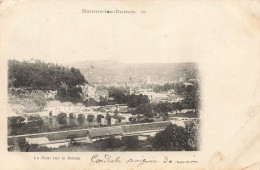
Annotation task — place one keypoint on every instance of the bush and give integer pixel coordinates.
(130, 142)
(22, 143)
(173, 138)
(90, 102)
(99, 117)
(37, 148)
(111, 143)
(90, 118)
(81, 118)
(15, 121)
(61, 118)
(108, 118)
(50, 113)
(71, 116)
(146, 120)
(35, 123)
(37, 119)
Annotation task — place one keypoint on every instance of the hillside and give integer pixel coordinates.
(30, 77)
(106, 71)
(39, 75)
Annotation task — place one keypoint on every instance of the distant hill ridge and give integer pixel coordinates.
(110, 71)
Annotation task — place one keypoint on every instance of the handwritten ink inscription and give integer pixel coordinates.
(137, 161)
(109, 159)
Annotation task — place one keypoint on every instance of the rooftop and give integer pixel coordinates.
(108, 131)
(145, 126)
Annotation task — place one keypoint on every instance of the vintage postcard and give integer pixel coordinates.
(130, 84)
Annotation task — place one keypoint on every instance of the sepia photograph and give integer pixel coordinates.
(129, 84)
(103, 106)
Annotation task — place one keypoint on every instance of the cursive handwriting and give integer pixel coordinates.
(106, 159)
(136, 161)
(141, 161)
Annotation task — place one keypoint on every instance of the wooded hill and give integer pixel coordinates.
(42, 76)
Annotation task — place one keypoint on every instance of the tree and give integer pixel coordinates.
(37, 148)
(119, 94)
(69, 93)
(132, 119)
(119, 119)
(115, 116)
(37, 119)
(35, 123)
(46, 76)
(194, 96)
(111, 143)
(103, 101)
(116, 111)
(174, 107)
(163, 108)
(71, 116)
(15, 121)
(164, 88)
(99, 117)
(179, 107)
(130, 142)
(192, 132)
(136, 100)
(42, 76)
(50, 113)
(146, 110)
(108, 118)
(180, 88)
(81, 118)
(61, 118)
(138, 117)
(90, 102)
(173, 138)
(90, 118)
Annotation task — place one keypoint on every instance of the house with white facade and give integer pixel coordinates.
(88, 91)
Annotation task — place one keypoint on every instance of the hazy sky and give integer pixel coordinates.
(61, 33)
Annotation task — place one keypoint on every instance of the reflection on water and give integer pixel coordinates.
(49, 124)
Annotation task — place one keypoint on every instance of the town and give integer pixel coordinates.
(82, 108)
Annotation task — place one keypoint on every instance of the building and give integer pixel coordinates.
(44, 141)
(186, 84)
(37, 140)
(161, 95)
(61, 138)
(103, 133)
(88, 91)
(172, 91)
(51, 94)
(102, 93)
(56, 107)
(150, 94)
(131, 91)
(145, 128)
(180, 121)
